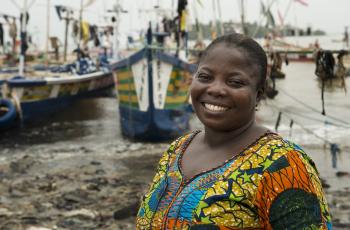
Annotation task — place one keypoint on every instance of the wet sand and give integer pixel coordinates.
(75, 171)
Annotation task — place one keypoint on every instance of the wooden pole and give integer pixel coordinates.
(47, 33)
(242, 18)
(66, 37)
(80, 23)
(115, 45)
(23, 38)
(214, 26)
(220, 18)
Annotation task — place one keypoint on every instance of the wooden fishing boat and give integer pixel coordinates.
(152, 88)
(45, 92)
(292, 52)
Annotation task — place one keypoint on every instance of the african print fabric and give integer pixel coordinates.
(272, 184)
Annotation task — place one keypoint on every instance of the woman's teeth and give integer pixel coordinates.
(215, 108)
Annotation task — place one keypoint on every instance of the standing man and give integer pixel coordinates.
(13, 34)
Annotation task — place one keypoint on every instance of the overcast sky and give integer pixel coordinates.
(330, 16)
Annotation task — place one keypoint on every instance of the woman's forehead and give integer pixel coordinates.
(229, 51)
(221, 54)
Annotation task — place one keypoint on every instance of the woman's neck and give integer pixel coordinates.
(216, 138)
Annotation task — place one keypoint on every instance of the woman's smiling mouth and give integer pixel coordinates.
(215, 108)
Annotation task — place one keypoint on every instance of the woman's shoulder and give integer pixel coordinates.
(277, 149)
(284, 145)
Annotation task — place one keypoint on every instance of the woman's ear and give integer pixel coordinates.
(259, 95)
(261, 90)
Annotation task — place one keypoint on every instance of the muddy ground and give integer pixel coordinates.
(79, 188)
(76, 187)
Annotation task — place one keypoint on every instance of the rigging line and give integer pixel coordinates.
(312, 108)
(16, 4)
(19, 7)
(304, 128)
(287, 9)
(262, 16)
(313, 133)
(320, 120)
(31, 4)
(308, 117)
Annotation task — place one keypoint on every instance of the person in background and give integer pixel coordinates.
(235, 173)
(2, 44)
(13, 34)
(346, 38)
(103, 57)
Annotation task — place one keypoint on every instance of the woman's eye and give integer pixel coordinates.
(235, 83)
(203, 77)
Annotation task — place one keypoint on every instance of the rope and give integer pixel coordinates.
(306, 129)
(312, 108)
(315, 119)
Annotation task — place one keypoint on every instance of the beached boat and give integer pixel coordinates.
(45, 92)
(152, 89)
(292, 52)
(42, 90)
(152, 84)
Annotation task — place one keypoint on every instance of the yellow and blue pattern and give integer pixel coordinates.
(272, 184)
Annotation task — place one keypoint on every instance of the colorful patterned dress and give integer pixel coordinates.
(272, 184)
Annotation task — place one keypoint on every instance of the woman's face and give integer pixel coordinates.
(224, 89)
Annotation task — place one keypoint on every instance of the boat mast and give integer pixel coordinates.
(23, 38)
(198, 26)
(117, 10)
(116, 31)
(214, 26)
(67, 19)
(263, 15)
(285, 15)
(47, 32)
(220, 18)
(244, 30)
(80, 24)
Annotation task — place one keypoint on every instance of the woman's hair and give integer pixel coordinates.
(251, 48)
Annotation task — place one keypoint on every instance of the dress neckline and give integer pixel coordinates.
(188, 142)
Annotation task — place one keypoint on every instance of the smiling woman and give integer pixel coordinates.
(235, 174)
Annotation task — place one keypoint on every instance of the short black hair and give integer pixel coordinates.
(253, 50)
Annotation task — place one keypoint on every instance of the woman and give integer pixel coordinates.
(235, 174)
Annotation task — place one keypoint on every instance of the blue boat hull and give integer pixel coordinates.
(37, 109)
(152, 91)
(8, 114)
(153, 125)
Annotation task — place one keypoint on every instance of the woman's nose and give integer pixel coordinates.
(216, 88)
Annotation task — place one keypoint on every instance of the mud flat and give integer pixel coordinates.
(89, 187)
(75, 187)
